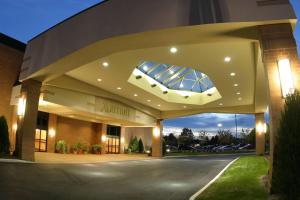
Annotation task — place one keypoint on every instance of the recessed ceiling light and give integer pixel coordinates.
(220, 104)
(99, 79)
(158, 105)
(105, 64)
(184, 106)
(119, 88)
(227, 59)
(238, 93)
(220, 125)
(240, 98)
(235, 85)
(171, 72)
(135, 95)
(181, 85)
(173, 50)
(149, 100)
(232, 74)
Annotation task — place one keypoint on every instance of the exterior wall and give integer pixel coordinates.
(10, 64)
(145, 133)
(73, 130)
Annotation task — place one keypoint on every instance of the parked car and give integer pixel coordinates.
(247, 146)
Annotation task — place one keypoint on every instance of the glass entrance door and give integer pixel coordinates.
(40, 140)
(113, 139)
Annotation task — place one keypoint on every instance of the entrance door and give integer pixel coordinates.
(40, 140)
(113, 139)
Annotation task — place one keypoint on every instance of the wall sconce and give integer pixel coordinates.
(286, 77)
(261, 128)
(103, 138)
(21, 106)
(122, 140)
(156, 132)
(15, 127)
(52, 132)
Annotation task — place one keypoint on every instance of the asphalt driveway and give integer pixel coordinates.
(157, 179)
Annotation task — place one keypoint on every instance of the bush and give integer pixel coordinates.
(286, 173)
(96, 148)
(4, 136)
(141, 146)
(134, 145)
(61, 147)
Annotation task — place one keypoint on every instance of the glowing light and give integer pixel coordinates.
(122, 140)
(52, 132)
(238, 93)
(220, 104)
(173, 50)
(286, 77)
(135, 95)
(119, 88)
(235, 85)
(156, 132)
(103, 138)
(168, 150)
(220, 125)
(149, 100)
(261, 128)
(227, 59)
(240, 98)
(232, 74)
(21, 106)
(99, 79)
(15, 127)
(181, 85)
(145, 67)
(105, 64)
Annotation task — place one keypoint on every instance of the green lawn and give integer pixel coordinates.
(241, 181)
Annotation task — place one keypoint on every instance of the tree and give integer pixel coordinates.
(171, 140)
(250, 138)
(286, 173)
(4, 136)
(225, 137)
(186, 138)
(141, 146)
(133, 144)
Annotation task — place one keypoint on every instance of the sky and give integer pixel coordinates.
(24, 19)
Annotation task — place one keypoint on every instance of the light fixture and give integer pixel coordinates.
(184, 106)
(286, 77)
(173, 50)
(220, 104)
(227, 59)
(220, 125)
(105, 64)
(261, 128)
(15, 127)
(149, 100)
(135, 95)
(156, 132)
(240, 98)
(181, 85)
(119, 88)
(51, 132)
(103, 138)
(238, 93)
(99, 79)
(21, 106)
(235, 85)
(171, 71)
(122, 140)
(232, 74)
(158, 105)
(145, 67)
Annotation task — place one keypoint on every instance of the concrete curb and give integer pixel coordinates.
(194, 196)
(4, 160)
(206, 155)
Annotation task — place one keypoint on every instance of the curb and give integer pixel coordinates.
(194, 196)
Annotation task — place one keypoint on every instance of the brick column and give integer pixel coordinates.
(52, 126)
(277, 42)
(30, 92)
(122, 139)
(260, 134)
(157, 140)
(101, 134)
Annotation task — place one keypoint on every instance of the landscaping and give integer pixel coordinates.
(243, 180)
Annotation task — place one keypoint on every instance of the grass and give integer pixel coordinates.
(241, 181)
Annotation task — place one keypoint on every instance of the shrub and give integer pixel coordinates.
(4, 136)
(134, 145)
(61, 146)
(141, 146)
(96, 148)
(286, 173)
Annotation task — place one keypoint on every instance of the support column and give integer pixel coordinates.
(157, 150)
(52, 126)
(27, 117)
(277, 42)
(102, 129)
(122, 139)
(260, 133)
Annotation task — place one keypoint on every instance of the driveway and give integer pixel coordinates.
(169, 178)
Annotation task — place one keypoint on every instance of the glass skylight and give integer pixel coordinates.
(176, 77)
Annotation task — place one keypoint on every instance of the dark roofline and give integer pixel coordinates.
(97, 4)
(11, 42)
